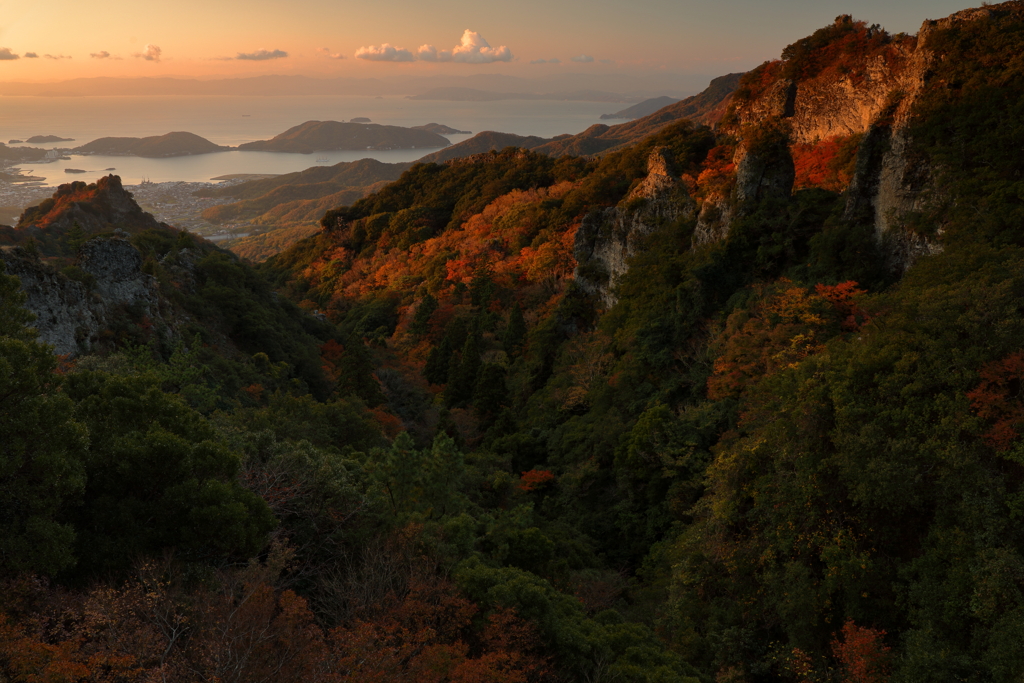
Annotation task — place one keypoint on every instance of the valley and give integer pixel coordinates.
(726, 393)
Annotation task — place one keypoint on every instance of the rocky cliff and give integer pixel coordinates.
(72, 314)
(848, 79)
(608, 237)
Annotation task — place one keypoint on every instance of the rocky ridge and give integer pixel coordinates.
(606, 239)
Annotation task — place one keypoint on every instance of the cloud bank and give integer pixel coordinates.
(6, 54)
(326, 51)
(102, 54)
(586, 59)
(473, 49)
(31, 55)
(151, 53)
(553, 60)
(60, 56)
(262, 55)
(384, 53)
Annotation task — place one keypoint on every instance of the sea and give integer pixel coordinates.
(234, 120)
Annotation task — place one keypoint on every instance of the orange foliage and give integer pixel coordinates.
(865, 658)
(817, 165)
(841, 297)
(490, 240)
(786, 327)
(535, 479)
(427, 639)
(717, 170)
(389, 424)
(254, 391)
(997, 399)
(330, 353)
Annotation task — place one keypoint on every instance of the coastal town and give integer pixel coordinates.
(173, 203)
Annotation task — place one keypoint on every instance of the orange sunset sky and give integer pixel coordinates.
(48, 40)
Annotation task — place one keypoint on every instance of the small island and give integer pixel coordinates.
(359, 119)
(36, 139)
(15, 142)
(158, 146)
(441, 129)
(73, 170)
(327, 136)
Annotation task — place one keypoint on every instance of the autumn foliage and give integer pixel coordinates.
(862, 653)
(997, 399)
(789, 324)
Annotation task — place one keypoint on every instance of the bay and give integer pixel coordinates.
(235, 120)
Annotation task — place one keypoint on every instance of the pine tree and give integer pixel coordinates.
(515, 332)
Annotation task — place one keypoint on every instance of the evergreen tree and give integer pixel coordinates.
(421, 319)
(515, 332)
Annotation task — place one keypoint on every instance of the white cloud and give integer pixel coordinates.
(326, 51)
(262, 55)
(384, 53)
(429, 53)
(475, 50)
(6, 54)
(553, 60)
(151, 53)
(31, 55)
(586, 59)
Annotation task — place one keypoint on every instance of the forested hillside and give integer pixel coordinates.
(737, 404)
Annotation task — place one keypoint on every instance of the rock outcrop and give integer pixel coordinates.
(95, 208)
(871, 91)
(764, 169)
(606, 239)
(72, 314)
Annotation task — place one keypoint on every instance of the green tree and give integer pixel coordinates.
(42, 446)
(159, 477)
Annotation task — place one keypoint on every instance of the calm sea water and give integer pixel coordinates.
(234, 120)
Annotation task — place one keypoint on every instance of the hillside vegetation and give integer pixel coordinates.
(723, 405)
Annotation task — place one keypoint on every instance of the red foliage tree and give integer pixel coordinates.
(998, 399)
(862, 653)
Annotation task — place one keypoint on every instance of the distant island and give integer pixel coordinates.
(15, 142)
(359, 119)
(474, 95)
(645, 108)
(441, 129)
(326, 136)
(35, 139)
(170, 145)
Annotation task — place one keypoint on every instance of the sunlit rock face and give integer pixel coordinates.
(606, 239)
(869, 91)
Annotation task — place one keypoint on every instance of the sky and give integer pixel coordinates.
(52, 40)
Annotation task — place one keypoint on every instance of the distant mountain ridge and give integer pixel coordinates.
(644, 108)
(706, 107)
(455, 94)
